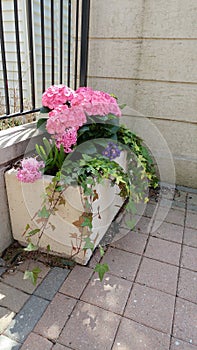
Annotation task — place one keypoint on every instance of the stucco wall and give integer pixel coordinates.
(145, 52)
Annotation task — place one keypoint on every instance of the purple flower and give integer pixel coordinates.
(111, 151)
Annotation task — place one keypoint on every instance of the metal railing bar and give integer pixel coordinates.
(61, 41)
(18, 114)
(31, 53)
(20, 83)
(84, 41)
(76, 43)
(5, 78)
(42, 43)
(52, 44)
(69, 42)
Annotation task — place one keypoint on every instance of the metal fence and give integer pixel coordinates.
(69, 55)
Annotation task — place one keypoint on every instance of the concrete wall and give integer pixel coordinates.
(145, 52)
(14, 143)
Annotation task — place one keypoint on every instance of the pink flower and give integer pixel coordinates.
(56, 95)
(30, 171)
(95, 102)
(67, 139)
(63, 117)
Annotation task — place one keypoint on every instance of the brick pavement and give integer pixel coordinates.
(148, 300)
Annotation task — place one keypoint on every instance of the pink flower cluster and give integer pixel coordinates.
(64, 117)
(30, 171)
(69, 109)
(56, 95)
(96, 102)
(67, 139)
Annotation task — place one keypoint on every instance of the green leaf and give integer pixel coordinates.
(101, 250)
(122, 106)
(88, 244)
(48, 248)
(33, 232)
(41, 124)
(44, 109)
(32, 275)
(44, 213)
(31, 247)
(87, 222)
(101, 269)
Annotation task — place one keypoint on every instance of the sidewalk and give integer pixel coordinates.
(148, 300)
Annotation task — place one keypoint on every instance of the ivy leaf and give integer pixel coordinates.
(41, 124)
(101, 250)
(43, 213)
(31, 247)
(88, 244)
(87, 222)
(32, 275)
(101, 269)
(95, 197)
(33, 232)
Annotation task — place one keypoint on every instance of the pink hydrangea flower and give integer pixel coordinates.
(63, 117)
(67, 139)
(56, 95)
(30, 171)
(95, 102)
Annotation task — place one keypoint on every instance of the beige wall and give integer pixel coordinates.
(145, 51)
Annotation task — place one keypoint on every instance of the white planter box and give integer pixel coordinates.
(25, 200)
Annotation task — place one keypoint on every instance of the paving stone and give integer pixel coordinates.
(151, 308)
(164, 251)
(178, 344)
(30, 264)
(192, 198)
(6, 317)
(150, 210)
(2, 270)
(191, 219)
(189, 258)
(60, 347)
(41, 343)
(185, 322)
(26, 319)
(143, 225)
(158, 275)
(190, 237)
(180, 196)
(76, 281)
(16, 280)
(187, 287)
(110, 294)
(133, 336)
(170, 232)
(121, 263)
(133, 242)
(175, 216)
(90, 327)
(178, 205)
(2, 262)
(8, 344)
(12, 298)
(51, 283)
(55, 317)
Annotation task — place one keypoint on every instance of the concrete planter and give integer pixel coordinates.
(25, 200)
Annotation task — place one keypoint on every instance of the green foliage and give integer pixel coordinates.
(30, 247)
(32, 275)
(101, 269)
